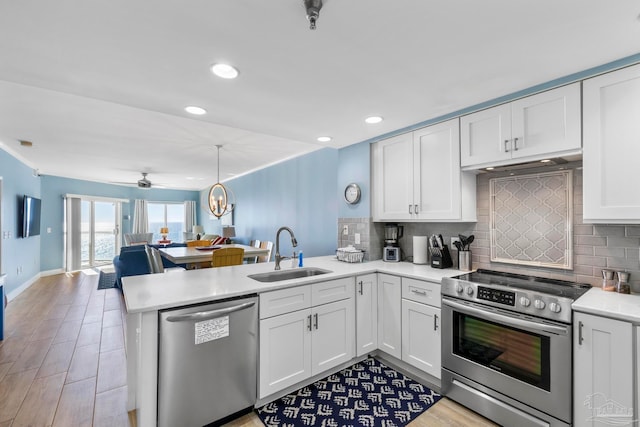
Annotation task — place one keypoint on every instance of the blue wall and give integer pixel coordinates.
(53, 190)
(299, 193)
(354, 165)
(17, 180)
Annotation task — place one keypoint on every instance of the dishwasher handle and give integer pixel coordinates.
(208, 315)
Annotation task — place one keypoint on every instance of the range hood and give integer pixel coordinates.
(531, 164)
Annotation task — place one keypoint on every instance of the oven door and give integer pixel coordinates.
(524, 358)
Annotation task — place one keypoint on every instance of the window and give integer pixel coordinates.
(170, 215)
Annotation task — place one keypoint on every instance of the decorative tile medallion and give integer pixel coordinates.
(531, 219)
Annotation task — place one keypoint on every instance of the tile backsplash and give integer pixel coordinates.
(595, 247)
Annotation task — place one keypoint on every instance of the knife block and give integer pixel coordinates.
(441, 258)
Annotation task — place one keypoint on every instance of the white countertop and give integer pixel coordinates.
(152, 292)
(609, 304)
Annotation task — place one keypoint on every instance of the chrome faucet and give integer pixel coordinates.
(294, 242)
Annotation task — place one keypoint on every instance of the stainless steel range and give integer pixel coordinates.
(506, 346)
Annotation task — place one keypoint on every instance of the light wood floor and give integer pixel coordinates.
(62, 362)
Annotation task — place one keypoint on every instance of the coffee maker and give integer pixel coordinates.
(391, 250)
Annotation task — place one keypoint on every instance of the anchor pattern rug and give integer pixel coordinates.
(365, 394)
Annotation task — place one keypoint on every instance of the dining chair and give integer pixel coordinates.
(266, 245)
(150, 262)
(255, 244)
(158, 266)
(227, 256)
(197, 243)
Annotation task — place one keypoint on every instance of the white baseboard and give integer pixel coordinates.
(51, 272)
(20, 289)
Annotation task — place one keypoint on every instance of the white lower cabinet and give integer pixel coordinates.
(285, 351)
(297, 345)
(366, 314)
(389, 315)
(421, 325)
(603, 373)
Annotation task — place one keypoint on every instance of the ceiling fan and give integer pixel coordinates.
(144, 182)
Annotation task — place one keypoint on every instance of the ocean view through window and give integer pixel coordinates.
(170, 215)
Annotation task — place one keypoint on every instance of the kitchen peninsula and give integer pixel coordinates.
(146, 295)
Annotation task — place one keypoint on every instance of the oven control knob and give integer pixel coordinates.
(555, 307)
(525, 302)
(539, 304)
(459, 288)
(469, 291)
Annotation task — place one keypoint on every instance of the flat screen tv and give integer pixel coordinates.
(30, 216)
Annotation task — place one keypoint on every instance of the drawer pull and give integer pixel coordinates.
(419, 292)
(360, 290)
(435, 322)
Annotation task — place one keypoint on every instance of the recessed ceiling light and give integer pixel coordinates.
(373, 120)
(545, 161)
(324, 138)
(224, 71)
(489, 169)
(198, 111)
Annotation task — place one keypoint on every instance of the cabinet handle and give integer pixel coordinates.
(419, 292)
(360, 291)
(580, 338)
(506, 145)
(309, 322)
(315, 320)
(415, 209)
(515, 144)
(410, 210)
(435, 322)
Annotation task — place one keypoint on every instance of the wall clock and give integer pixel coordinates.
(352, 193)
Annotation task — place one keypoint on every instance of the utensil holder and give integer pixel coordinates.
(441, 258)
(464, 260)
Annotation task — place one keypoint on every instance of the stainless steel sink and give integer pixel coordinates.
(297, 273)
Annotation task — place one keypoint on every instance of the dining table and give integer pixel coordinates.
(198, 254)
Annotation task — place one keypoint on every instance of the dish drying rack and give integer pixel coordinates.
(350, 254)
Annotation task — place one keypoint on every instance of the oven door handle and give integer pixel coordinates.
(508, 320)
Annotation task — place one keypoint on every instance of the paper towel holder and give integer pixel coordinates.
(420, 250)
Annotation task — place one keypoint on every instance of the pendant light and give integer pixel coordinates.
(220, 198)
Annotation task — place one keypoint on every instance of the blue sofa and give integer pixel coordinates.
(132, 261)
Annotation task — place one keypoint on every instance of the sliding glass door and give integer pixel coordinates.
(99, 232)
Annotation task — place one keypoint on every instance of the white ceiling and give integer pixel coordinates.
(100, 87)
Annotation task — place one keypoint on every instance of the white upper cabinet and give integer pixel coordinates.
(612, 147)
(528, 129)
(416, 176)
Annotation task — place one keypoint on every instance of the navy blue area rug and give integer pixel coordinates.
(107, 280)
(365, 394)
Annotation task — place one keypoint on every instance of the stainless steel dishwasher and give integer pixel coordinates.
(207, 361)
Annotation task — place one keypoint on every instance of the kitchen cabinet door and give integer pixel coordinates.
(389, 315)
(543, 125)
(333, 335)
(437, 178)
(485, 136)
(421, 336)
(611, 150)
(603, 370)
(285, 351)
(366, 314)
(417, 177)
(393, 178)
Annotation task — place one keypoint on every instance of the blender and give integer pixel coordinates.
(391, 250)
